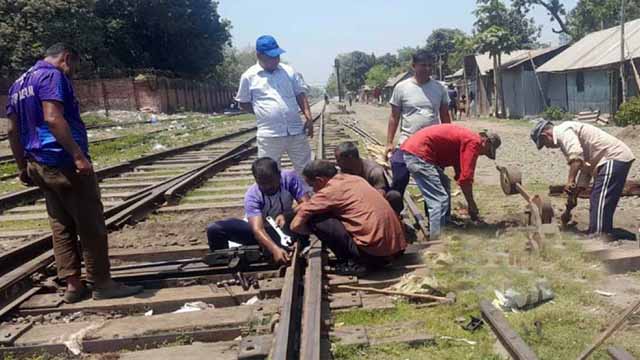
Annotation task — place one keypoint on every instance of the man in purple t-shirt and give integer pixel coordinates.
(272, 195)
(49, 142)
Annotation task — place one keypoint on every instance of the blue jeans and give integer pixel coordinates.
(435, 186)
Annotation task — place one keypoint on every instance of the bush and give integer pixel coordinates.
(629, 113)
(554, 113)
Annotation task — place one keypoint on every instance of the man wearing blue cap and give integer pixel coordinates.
(593, 153)
(275, 93)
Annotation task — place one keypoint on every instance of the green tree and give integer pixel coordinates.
(388, 60)
(353, 69)
(464, 46)
(183, 36)
(502, 30)
(28, 27)
(594, 15)
(442, 44)
(378, 75)
(555, 9)
(405, 54)
(236, 62)
(332, 85)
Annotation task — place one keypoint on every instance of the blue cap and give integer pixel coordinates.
(537, 131)
(267, 45)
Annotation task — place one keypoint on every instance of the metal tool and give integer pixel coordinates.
(474, 324)
(572, 202)
(511, 183)
(236, 258)
(285, 239)
(305, 252)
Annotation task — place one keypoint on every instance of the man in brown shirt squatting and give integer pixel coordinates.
(349, 216)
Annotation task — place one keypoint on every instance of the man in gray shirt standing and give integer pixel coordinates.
(416, 103)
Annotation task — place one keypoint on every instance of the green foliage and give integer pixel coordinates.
(378, 75)
(629, 113)
(554, 113)
(182, 36)
(555, 9)
(28, 27)
(235, 62)
(353, 69)
(449, 44)
(503, 30)
(594, 15)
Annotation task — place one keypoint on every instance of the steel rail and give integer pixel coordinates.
(115, 216)
(14, 199)
(146, 201)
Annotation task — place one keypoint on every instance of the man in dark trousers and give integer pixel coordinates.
(49, 142)
(349, 216)
(349, 161)
(590, 152)
(272, 195)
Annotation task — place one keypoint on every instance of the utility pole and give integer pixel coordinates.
(337, 64)
(622, 57)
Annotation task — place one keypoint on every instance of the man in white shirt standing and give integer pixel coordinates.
(591, 152)
(275, 93)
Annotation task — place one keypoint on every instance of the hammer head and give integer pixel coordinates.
(451, 298)
(509, 178)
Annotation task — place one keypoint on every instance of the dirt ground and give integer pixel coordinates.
(187, 229)
(539, 168)
(479, 259)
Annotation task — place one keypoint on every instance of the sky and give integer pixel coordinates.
(314, 33)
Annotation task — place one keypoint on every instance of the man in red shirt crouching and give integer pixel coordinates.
(432, 149)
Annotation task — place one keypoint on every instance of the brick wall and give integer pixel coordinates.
(159, 94)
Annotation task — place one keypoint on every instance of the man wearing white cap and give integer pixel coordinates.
(276, 93)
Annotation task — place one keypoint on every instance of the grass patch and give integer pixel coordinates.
(15, 225)
(96, 120)
(484, 259)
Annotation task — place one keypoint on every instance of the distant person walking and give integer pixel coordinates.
(275, 93)
(416, 103)
(49, 142)
(453, 101)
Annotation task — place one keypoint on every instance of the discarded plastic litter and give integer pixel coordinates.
(251, 301)
(194, 306)
(159, 147)
(468, 342)
(604, 293)
(512, 300)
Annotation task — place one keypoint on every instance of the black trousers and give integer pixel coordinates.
(333, 235)
(605, 195)
(239, 231)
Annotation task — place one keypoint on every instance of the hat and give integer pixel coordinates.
(537, 131)
(494, 140)
(267, 45)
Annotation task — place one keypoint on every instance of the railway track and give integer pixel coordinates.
(247, 308)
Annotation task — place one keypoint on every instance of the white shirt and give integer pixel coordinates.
(591, 145)
(419, 105)
(273, 97)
